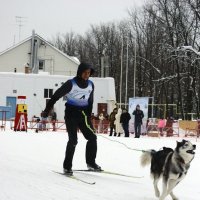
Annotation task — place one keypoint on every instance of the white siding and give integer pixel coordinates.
(56, 62)
(30, 84)
(15, 58)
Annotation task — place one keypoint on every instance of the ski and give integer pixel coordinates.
(75, 178)
(107, 172)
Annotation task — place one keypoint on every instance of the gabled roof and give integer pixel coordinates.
(15, 46)
(74, 59)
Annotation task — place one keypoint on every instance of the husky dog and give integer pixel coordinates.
(170, 165)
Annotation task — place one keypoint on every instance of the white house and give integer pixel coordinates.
(38, 88)
(35, 55)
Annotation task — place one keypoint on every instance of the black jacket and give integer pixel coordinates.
(125, 117)
(66, 87)
(138, 116)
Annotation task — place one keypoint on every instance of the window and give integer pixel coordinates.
(41, 64)
(48, 93)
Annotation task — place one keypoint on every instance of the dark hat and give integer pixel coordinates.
(84, 66)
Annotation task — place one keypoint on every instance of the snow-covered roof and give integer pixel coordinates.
(74, 59)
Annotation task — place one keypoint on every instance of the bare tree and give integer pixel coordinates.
(152, 43)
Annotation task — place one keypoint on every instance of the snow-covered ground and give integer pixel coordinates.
(27, 162)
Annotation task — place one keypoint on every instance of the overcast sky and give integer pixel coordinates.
(49, 17)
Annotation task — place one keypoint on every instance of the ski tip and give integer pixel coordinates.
(74, 177)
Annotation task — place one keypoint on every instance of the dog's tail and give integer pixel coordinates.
(146, 157)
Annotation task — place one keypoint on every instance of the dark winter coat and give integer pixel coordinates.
(112, 119)
(125, 117)
(66, 88)
(139, 115)
(54, 116)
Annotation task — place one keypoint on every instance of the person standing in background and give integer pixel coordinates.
(161, 125)
(53, 119)
(117, 123)
(124, 120)
(100, 126)
(112, 120)
(139, 115)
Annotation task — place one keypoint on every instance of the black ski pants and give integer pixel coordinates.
(137, 129)
(74, 121)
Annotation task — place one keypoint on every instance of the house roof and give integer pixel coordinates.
(73, 59)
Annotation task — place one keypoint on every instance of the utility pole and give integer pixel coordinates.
(135, 63)
(126, 70)
(120, 92)
(20, 21)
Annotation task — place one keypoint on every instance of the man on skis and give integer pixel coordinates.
(79, 95)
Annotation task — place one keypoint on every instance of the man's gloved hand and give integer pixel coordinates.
(44, 114)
